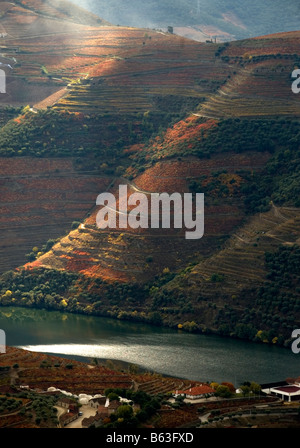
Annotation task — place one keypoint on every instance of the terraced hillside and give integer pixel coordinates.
(24, 21)
(125, 70)
(156, 384)
(49, 45)
(41, 372)
(241, 263)
(145, 71)
(110, 106)
(261, 84)
(40, 198)
(109, 253)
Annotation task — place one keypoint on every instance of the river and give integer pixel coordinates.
(170, 352)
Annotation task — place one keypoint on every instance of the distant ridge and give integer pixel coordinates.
(202, 20)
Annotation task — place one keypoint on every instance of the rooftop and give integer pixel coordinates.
(288, 389)
(198, 390)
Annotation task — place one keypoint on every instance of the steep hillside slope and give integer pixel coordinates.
(35, 14)
(40, 198)
(212, 283)
(159, 113)
(108, 68)
(261, 85)
(25, 22)
(109, 254)
(52, 51)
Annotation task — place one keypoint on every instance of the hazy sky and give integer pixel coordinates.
(242, 18)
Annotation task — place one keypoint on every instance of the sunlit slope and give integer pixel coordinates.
(112, 68)
(142, 70)
(25, 22)
(26, 16)
(139, 255)
(243, 79)
(84, 66)
(261, 83)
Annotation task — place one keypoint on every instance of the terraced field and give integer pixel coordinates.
(40, 371)
(242, 261)
(160, 385)
(261, 90)
(123, 70)
(261, 83)
(108, 253)
(40, 198)
(155, 108)
(25, 22)
(129, 81)
(99, 379)
(120, 69)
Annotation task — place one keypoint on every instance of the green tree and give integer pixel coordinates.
(245, 389)
(125, 411)
(255, 388)
(223, 391)
(113, 396)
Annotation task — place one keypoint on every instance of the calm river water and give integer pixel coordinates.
(170, 352)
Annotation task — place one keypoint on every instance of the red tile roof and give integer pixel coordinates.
(199, 390)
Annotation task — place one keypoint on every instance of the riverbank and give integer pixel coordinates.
(34, 380)
(155, 349)
(139, 318)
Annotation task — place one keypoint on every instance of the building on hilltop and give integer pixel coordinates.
(195, 393)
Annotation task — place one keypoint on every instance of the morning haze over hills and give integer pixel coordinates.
(202, 19)
(93, 103)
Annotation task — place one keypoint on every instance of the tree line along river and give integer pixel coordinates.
(175, 353)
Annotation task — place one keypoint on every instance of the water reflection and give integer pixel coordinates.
(171, 352)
